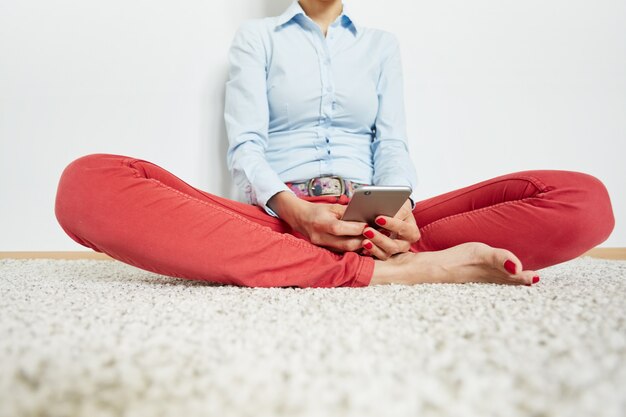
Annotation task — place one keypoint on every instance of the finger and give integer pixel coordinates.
(388, 245)
(375, 250)
(391, 235)
(406, 230)
(345, 228)
(343, 244)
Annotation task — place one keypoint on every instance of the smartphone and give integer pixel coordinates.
(371, 201)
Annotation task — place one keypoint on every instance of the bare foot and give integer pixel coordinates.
(467, 262)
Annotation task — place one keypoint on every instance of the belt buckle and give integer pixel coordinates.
(342, 185)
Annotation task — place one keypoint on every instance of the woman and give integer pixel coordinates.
(314, 109)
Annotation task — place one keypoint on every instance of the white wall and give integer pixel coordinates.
(491, 87)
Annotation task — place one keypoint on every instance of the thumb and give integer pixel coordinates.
(338, 210)
(404, 211)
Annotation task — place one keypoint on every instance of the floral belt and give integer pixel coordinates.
(320, 186)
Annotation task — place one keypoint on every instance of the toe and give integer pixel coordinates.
(529, 277)
(508, 262)
(534, 277)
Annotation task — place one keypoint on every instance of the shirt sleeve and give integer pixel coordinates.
(392, 162)
(246, 114)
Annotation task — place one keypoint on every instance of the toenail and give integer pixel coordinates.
(509, 266)
(535, 279)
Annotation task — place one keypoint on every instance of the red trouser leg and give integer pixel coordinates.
(142, 215)
(544, 217)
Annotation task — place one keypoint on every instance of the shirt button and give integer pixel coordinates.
(327, 140)
(329, 89)
(328, 151)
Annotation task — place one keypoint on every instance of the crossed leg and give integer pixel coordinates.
(143, 215)
(544, 217)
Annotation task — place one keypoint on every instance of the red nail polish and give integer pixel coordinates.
(509, 266)
(528, 285)
(368, 245)
(369, 234)
(381, 221)
(535, 279)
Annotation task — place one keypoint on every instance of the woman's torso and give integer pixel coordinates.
(322, 96)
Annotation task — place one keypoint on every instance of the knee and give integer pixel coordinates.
(594, 211)
(68, 189)
(77, 180)
(77, 173)
(88, 168)
(83, 164)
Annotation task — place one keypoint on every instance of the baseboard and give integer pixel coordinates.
(607, 253)
(56, 255)
(603, 253)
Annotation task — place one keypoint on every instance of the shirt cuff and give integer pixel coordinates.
(264, 198)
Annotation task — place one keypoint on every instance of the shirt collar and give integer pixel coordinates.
(295, 9)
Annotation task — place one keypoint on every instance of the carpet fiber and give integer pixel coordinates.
(101, 338)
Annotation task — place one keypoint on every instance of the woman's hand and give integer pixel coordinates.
(319, 223)
(395, 235)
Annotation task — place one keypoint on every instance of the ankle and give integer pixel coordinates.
(407, 269)
(395, 271)
(383, 273)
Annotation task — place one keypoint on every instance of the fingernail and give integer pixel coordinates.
(528, 285)
(535, 279)
(368, 245)
(381, 221)
(369, 234)
(509, 266)
(365, 253)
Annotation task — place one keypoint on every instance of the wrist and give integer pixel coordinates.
(287, 206)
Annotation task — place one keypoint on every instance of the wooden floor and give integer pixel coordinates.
(603, 253)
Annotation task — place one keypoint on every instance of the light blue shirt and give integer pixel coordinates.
(300, 105)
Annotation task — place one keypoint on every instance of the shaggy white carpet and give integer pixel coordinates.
(101, 338)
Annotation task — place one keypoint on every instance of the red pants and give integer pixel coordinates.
(142, 215)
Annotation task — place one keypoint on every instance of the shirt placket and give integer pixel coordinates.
(327, 100)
